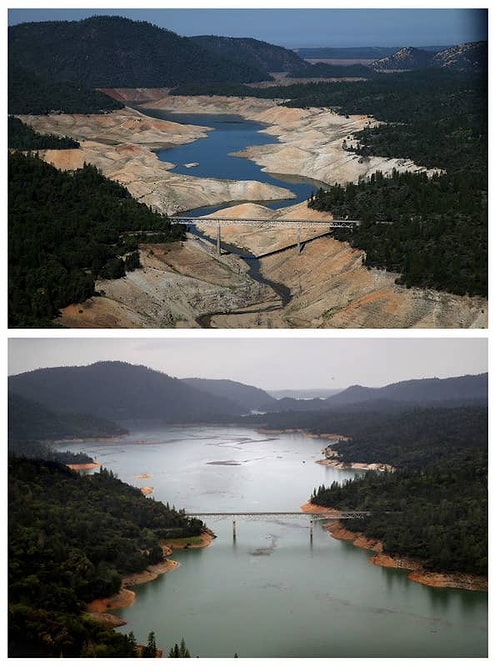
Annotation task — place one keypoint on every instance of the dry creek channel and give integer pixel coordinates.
(253, 143)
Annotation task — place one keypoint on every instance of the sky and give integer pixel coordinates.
(293, 27)
(271, 363)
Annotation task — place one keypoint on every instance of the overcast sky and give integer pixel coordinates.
(295, 362)
(286, 25)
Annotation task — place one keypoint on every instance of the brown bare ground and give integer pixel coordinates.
(381, 559)
(330, 287)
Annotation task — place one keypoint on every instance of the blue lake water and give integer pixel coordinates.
(213, 154)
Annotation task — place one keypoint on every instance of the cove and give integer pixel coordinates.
(212, 155)
(272, 592)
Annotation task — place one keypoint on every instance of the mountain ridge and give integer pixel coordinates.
(467, 389)
(468, 57)
(121, 392)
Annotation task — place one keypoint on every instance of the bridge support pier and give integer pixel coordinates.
(298, 240)
(234, 530)
(218, 239)
(311, 529)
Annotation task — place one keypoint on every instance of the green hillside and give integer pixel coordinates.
(111, 51)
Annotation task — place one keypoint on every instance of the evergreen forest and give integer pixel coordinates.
(71, 538)
(67, 229)
(31, 93)
(434, 505)
(430, 229)
(24, 138)
(438, 514)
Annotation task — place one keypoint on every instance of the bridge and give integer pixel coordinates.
(278, 515)
(297, 224)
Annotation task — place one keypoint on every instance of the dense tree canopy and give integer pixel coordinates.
(65, 231)
(113, 51)
(23, 137)
(434, 507)
(71, 538)
(437, 235)
(438, 515)
(31, 93)
(433, 231)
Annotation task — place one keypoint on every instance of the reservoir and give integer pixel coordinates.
(273, 591)
(212, 156)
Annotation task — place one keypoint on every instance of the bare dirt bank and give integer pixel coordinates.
(121, 145)
(177, 285)
(328, 285)
(311, 140)
(415, 568)
(99, 609)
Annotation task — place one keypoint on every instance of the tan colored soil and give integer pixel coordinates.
(381, 559)
(87, 465)
(330, 287)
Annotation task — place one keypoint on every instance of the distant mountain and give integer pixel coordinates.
(305, 393)
(248, 397)
(463, 390)
(425, 392)
(30, 420)
(111, 51)
(122, 393)
(287, 404)
(262, 55)
(345, 53)
(471, 57)
(407, 58)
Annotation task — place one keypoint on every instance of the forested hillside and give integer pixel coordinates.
(463, 390)
(259, 54)
(431, 230)
(434, 507)
(65, 231)
(85, 532)
(111, 51)
(25, 138)
(32, 93)
(122, 392)
(250, 398)
(31, 420)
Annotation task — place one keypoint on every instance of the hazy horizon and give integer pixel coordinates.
(269, 363)
(296, 28)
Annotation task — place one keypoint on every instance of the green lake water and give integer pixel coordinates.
(273, 592)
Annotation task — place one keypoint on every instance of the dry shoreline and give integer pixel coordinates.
(329, 286)
(99, 609)
(415, 568)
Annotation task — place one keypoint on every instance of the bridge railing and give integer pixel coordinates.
(280, 223)
(334, 515)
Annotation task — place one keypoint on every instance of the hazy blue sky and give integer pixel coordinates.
(269, 362)
(292, 27)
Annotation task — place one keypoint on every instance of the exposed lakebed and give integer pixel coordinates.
(214, 155)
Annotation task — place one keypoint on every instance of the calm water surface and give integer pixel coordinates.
(213, 155)
(273, 592)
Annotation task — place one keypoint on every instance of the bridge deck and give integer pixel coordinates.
(285, 223)
(334, 515)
